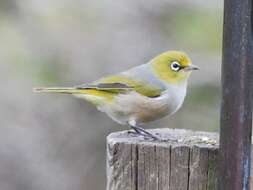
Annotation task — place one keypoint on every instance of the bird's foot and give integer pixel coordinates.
(131, 132)
(147, 135)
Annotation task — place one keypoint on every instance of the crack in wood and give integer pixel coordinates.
(137, 164)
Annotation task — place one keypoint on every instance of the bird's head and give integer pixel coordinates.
(172, 67)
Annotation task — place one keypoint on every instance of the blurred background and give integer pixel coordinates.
(50, 142)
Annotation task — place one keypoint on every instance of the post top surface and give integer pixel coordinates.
(171, 137)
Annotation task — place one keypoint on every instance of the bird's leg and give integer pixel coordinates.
(134, 132)
(143, 132)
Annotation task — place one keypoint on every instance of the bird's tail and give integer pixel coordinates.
(63, 90)
(94, 96)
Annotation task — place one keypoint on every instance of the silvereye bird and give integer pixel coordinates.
(142, 94)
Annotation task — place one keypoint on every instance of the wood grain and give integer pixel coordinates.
(187, 160)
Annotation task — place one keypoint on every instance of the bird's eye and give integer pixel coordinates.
(175, 66)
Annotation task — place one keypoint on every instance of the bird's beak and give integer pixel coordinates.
(191, 68)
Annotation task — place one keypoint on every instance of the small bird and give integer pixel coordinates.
(139, 95)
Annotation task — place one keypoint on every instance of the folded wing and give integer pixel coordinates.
(123, 84)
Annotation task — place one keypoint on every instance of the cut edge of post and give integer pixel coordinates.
(170, 136)
(184, 161)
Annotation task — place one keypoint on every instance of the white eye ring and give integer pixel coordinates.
(175, 66)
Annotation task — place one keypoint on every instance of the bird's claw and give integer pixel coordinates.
(141, 132)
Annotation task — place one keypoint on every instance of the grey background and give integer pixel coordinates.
(50, 142)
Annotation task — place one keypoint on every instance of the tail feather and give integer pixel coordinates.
(58, 90)
(94, 96)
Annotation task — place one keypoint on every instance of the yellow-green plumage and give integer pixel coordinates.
(141, 87)
(160, 66)
(92, 95)
(141, 94)
(98, 95)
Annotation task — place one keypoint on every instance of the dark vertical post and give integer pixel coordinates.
(236, 107)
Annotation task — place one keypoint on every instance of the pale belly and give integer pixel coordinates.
(141, 109)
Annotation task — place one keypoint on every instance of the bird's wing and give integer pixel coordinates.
(122, 84)
(106, 86)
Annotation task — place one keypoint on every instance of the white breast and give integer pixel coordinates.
(174, 96)
(141, 109)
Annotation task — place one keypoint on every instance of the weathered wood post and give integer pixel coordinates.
(236, 108)
(187, 161)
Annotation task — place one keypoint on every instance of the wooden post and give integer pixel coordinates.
(187, 161)
(236, 106)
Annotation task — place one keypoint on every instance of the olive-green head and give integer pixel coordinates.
(173, 67)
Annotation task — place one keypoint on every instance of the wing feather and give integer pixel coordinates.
(123, 84)
(105, 86)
